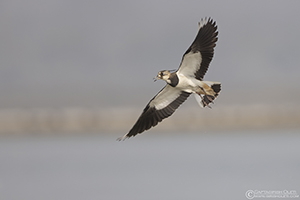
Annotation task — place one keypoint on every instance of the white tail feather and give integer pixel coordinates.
(199, 100)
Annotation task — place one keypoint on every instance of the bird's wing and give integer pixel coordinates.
(160, 107)
(196, 59)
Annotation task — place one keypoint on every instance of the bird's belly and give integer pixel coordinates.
(188, 84)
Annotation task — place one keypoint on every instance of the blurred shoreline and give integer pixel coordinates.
(121, 119)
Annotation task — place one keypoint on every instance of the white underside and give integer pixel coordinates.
(169, 93)
(192, 85)
(189, 84)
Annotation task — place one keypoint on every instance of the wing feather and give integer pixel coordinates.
(160, 107)
(197, 58)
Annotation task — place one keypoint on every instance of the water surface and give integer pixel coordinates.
(216, 165)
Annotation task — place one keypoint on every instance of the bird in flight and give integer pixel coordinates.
(186, 80)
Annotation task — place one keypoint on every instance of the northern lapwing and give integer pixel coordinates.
(186, 80)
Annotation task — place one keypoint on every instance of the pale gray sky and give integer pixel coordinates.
(65, 53)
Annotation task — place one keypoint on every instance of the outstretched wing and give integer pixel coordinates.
(196, 59)
(160, 107)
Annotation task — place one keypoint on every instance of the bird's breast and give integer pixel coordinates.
(186, 84)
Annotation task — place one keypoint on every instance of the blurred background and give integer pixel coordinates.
(68, 63)
(75, 75)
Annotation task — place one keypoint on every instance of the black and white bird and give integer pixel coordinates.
(186, 80)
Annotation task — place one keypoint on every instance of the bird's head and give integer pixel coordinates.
(164, 75)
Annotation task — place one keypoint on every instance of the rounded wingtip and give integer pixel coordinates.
(205, 21)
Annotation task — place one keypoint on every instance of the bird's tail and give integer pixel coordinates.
(209, 93)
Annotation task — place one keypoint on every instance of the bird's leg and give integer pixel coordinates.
(206, 97)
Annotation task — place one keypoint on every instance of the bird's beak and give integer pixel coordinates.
(156, 78)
